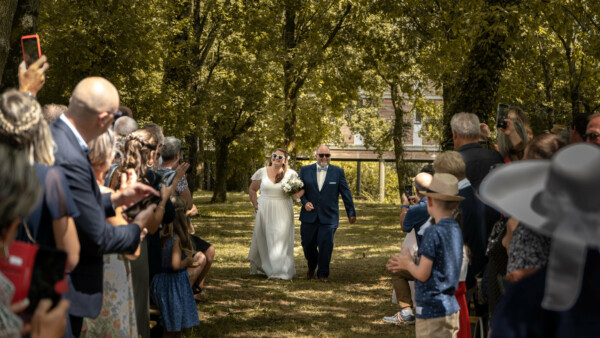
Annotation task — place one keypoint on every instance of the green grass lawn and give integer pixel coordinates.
(236, 304)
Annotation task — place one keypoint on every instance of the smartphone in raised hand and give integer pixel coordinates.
(408, 190)
(30, 45)
(140, 205)
(502, 114)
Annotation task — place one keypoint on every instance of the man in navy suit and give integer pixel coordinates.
(91, 111)
(323, 183)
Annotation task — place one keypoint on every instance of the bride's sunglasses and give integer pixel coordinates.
(280, 157)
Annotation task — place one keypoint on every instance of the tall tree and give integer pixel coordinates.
(309, 31)
(7, 12)
(24, 22)
(239, 93)
(192, 48)
(475, 86)
(390, 51)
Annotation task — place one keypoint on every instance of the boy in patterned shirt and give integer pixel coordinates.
(437, 273)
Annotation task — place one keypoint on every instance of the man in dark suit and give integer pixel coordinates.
(323, 183)
(91, 111)
(478, 161)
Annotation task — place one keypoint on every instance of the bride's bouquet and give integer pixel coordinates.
(292, 186)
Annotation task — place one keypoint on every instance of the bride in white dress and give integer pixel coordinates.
(272, 248)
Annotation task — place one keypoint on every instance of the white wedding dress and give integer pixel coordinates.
(272, 247)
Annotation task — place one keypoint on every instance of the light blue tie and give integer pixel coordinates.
(321, 169)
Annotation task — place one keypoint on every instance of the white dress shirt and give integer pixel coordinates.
(321, 176)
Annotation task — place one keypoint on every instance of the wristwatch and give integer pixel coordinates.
(30, 95)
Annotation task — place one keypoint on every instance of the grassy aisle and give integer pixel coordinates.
(236, 304)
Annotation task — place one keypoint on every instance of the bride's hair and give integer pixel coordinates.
(281, 174)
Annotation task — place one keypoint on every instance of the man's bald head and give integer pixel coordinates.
(94, 95)
(422, 182)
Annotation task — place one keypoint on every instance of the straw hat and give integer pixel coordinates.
(558, 198)
(443, 187)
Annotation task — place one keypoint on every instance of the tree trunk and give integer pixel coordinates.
(574, 80)
(548, 88)
(295, 75)
(200, 167)
(398, 134)
(24, 22)
(222, 156)
(476, 86)
(7, 12)
(289, 127)
(289, 90)
(193, 159)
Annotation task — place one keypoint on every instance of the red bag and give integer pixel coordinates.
(44, 266)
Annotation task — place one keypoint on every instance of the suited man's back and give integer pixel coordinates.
(95, 235)
(90, 113)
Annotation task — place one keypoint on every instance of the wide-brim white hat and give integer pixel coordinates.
(559, 198)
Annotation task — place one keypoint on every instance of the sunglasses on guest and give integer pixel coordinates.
(279, 157)
(324, 155)
(591, 136)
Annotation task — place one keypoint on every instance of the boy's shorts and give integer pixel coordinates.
(438, 327)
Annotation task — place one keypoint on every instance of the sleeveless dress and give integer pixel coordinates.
(173, 294)
(272, 248)
(117, 317)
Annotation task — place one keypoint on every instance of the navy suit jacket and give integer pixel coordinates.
(326, 201)
(95, 235)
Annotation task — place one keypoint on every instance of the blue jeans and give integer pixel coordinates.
(317, 242)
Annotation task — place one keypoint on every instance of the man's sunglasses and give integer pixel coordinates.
(280, 157)
(324, 155)
(116, 114)
(591, 136)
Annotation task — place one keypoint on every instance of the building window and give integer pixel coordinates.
(417, 117)
(358, 140)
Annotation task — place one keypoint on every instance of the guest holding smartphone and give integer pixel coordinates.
(18, 196)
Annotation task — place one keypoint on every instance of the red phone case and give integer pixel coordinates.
(37, 38)
(18, 267)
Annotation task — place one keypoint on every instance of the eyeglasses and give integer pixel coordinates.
(591, 136)
(116, 114)
(275, 156)
(324, 155)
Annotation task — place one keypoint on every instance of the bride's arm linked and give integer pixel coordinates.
(252, 192)
(299, 194)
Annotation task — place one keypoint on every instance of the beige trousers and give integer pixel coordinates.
(441, 327)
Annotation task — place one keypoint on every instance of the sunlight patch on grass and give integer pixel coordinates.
(236, 304)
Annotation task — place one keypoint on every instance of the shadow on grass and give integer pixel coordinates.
(236, 304)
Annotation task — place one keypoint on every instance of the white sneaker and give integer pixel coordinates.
(405, 316)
